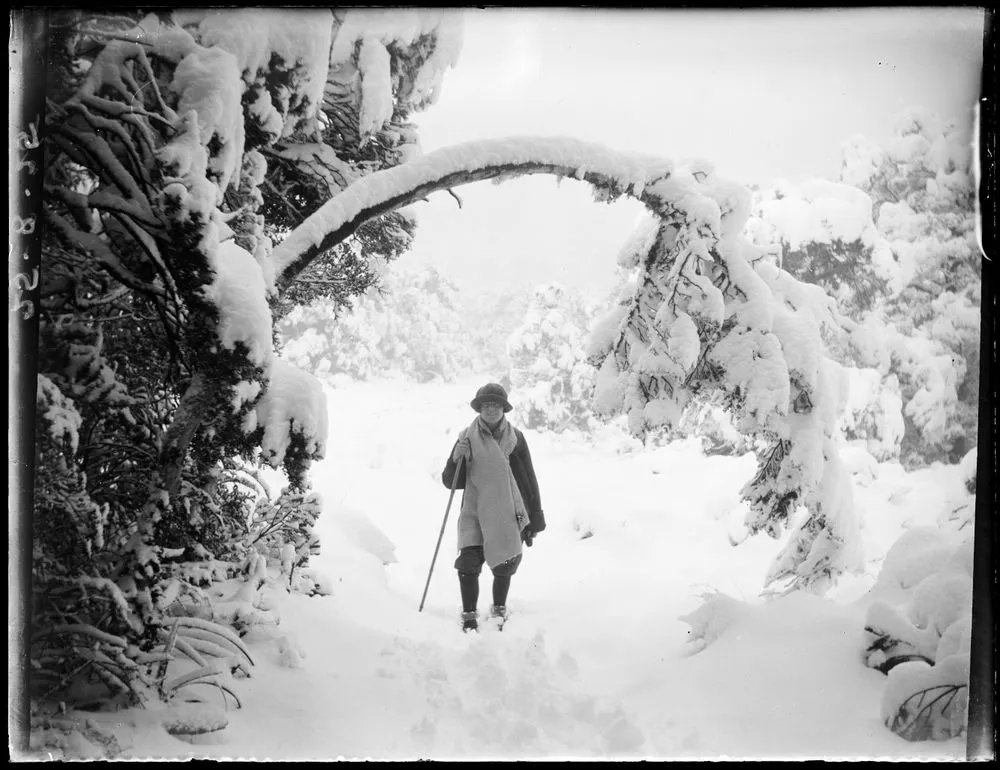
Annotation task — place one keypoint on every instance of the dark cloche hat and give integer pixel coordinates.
(491, 391)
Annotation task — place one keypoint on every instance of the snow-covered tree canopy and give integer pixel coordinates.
(165, 151)
(923, 201)
(410, 326)
(827, 237)
(548, 374)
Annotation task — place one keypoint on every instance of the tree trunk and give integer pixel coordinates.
(188, 418)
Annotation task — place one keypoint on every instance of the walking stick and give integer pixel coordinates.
(454, 483)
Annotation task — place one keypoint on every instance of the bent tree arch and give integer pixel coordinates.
(708, 314)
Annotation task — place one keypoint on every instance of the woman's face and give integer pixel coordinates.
(491, 412)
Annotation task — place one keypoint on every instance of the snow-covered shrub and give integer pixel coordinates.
(549, 375)
(287, 521)
(923, 192)
(489, 321)
(969, 470)
(199, 652)
(961, 514)
(874, 414)
(182, 650)
(827, 237)
(924, 702)
(860, 463)
(708, 420)
(929, 377)
(918, 631)
(411, 326)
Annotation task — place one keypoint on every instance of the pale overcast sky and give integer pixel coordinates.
(761, 94)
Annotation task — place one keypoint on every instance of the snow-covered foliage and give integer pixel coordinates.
(960, 516)
(382, 67)
(708, 420)
(490, 319)
(711, 313)
(292, 416)
(179, 145)
(936, 365)
(918, 631)
(894, 242)
(874, 414)
(58, 415)
(923, 193)
(969, 469)
(411, 325)
(827, 237)
(361, 52)
(549, 376)
(705, 416)
(283, 528)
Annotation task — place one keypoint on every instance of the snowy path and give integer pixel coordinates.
(594, 661)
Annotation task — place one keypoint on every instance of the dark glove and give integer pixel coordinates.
(527, 536)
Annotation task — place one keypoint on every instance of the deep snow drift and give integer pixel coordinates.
(595, 660)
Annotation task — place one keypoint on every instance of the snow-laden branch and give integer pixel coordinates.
(393, 188)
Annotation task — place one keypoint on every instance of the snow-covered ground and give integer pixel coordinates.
(595, 660)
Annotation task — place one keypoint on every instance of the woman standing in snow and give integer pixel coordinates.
(501, 506)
